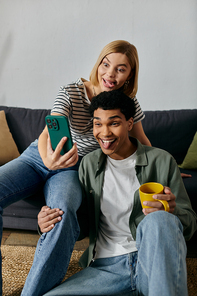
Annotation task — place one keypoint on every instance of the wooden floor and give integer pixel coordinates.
(15, 237)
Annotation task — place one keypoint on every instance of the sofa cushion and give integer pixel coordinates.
(8, 148)
(171, 130)
(190, 160)
(25, 124)
(23, 214)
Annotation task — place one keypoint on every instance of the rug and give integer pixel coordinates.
(17, 261)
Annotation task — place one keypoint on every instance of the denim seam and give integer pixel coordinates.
(132, 265)
(178, 277)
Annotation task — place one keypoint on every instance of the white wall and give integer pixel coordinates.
(47, 43)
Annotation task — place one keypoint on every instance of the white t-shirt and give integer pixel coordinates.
(120, 183)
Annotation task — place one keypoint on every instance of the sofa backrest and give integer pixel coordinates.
(25, 124)
(171, 130)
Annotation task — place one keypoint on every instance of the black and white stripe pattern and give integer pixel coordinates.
(72, 102)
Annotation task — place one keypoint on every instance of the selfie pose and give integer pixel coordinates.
(132, 251)
(41, 167)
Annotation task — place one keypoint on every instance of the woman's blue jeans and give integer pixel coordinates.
(23, 177)
(157, 269)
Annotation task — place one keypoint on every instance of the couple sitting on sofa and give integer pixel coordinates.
(128, 245)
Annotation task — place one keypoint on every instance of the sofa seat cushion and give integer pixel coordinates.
(23, 214)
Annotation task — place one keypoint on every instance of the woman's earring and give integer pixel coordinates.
(126, 84)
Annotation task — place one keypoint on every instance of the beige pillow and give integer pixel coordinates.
(8, 148)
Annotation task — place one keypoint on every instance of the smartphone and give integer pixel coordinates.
(58, 128)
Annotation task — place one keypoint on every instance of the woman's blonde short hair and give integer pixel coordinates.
(124, 47)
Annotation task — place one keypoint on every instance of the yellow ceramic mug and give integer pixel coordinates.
(147, 190)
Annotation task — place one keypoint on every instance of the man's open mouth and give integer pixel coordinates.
(107, 143)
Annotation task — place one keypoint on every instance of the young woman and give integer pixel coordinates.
(41, 167)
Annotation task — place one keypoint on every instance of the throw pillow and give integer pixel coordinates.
(190, 160)
(8, 148)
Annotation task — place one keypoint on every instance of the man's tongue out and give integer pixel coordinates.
(108, 83)
(107, 143)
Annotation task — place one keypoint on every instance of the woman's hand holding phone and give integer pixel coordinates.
(54, 160)
(55, 144)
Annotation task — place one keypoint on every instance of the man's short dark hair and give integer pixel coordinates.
(115, 99)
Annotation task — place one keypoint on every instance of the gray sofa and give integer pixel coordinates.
(25, 126)
(170, 130)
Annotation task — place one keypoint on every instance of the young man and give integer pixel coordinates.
(131, 251)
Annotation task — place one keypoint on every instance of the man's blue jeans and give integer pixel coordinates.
(23, 177)
(157, 269)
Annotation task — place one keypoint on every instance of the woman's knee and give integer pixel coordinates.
(64, 191)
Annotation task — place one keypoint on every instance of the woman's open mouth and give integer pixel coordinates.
(108, 83)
